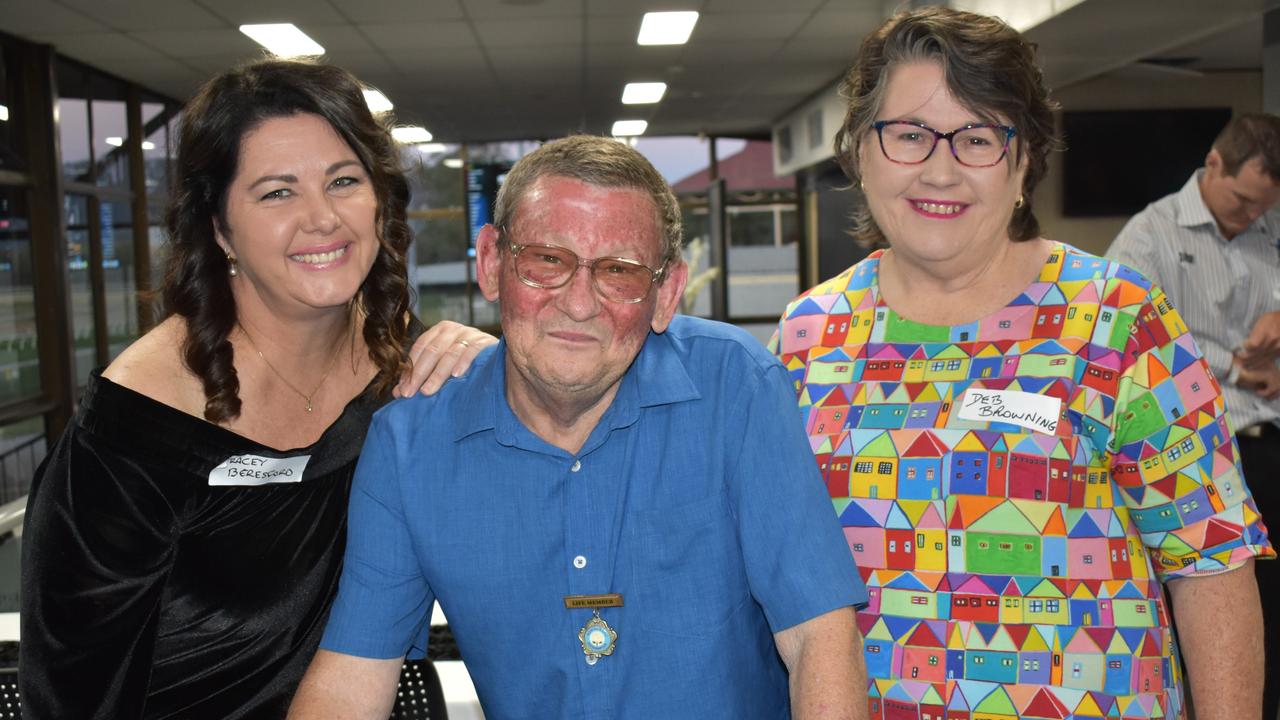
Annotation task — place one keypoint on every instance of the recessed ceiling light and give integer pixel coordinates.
(642, 93)
(454, 163)
(377, 102)
(624, 128)
(411, 134)
(114, 141)
(4, 113)
(666, 28)
(283, 39)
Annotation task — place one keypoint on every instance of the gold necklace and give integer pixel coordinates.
(305, 396)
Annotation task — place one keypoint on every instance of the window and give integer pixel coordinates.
(933, 660)
(978, 660)
(1035, 606)
(953, 364)
(1106, 316)
(906, 546)
(857, 547)
(962, 602)
(893, 546)
(885, 468)
(919, 600)
(1052, 605)
(955, 541)
(1087, 559)
(1115, 664)
(863, 466)
(1005, 324)
(911, 473)
(937, 366)
(1188, 445)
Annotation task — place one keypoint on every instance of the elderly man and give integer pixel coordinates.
(1213, 247)
(617, 509)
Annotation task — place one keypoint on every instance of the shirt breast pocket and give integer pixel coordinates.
(687, 568)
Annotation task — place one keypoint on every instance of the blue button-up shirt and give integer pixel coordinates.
(695, 497)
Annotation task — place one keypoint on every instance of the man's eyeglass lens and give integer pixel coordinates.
(974, 145)
(616, 279)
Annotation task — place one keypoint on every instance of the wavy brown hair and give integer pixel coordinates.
(196, 284)
(988, 67)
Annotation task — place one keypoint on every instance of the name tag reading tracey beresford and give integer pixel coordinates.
(258, 470)
(1030, 410)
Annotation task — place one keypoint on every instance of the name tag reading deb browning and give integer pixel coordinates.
(1029, 410)
(248, 470)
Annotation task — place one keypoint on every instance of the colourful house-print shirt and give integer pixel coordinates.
(1015, 489)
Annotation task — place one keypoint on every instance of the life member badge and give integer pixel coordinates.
(596, 637)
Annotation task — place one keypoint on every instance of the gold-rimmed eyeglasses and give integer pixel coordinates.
(616, 279)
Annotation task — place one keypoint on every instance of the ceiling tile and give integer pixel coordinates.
(27, 18)
(506, 9)
(739, 27)
(146, 14)
(530, 31)
(188, 43)
(420, 35)
(400, 11)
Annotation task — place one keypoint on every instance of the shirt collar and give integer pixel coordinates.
(1192, 212)
(657, 376)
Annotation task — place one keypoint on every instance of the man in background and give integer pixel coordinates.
(1213, 247)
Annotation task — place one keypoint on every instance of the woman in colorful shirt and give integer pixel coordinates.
(1022, 441)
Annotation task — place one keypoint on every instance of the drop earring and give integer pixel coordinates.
(232, 270)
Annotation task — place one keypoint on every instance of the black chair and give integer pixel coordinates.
(10, 707)
(419, 696)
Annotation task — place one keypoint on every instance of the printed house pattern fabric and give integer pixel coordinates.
(1014, 573)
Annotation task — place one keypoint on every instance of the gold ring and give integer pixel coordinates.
(464, 343)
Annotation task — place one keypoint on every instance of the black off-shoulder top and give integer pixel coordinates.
(148, 592)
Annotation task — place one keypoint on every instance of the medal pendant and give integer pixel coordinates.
(597, 638)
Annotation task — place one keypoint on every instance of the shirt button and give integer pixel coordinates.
(577, 465)
(579, 562)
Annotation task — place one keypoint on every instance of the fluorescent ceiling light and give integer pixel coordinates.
(431, 147)
(4, 113)
(148, 145)
(643, 93)
(115, 141)
(377, 102)
(452, 162)
(666, 28)
(410, 134)
(283, 39)
(625, 128)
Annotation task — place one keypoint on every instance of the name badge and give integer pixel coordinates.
(257, 470)
(1029, 410)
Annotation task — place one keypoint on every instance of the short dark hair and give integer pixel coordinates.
(599, 161)
(1248, 136)
(196, 286)
(988, 67)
